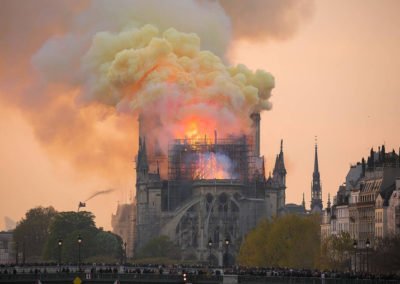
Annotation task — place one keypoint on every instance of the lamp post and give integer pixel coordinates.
(79, 252)
(210, 243)
(355, 255)
(367, 244)
(227, 242)
(60, 242)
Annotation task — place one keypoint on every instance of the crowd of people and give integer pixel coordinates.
(179, 269)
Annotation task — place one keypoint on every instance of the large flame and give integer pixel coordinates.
(213, 166)
(195, 129)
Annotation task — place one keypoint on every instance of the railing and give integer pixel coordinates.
(165, 278)
(107, 278)
(309, 280)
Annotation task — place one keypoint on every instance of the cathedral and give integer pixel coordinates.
(206, 194)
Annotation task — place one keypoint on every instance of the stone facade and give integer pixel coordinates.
(123, 224)
(393, 211)
(179, 197)
(7, 252)
(365, 206)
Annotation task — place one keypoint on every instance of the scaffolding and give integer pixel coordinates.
(195, 159)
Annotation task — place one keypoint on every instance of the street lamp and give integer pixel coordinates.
(79, 252)
(367, 244)
(210, 243)
(227, 241)
(355, 255)
(60, 242)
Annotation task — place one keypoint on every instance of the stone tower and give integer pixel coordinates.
(279, 177)
(316, 191)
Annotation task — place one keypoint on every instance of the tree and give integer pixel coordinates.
(108, 246)
(161, 247)
(288, 241)
(96, 244)
(254, 243)
(336, 251)
(385, 257)
(67, 226)
(32, 232)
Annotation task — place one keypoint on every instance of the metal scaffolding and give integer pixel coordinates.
(188, 165)
(185, 159)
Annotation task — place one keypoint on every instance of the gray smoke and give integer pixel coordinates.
(100, 192)
(9, 223)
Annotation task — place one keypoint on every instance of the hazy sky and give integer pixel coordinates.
(337, 77)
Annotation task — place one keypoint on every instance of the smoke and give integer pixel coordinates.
(9, 223)
(100, 192)
(82, 71)
(174, 84)
(267, 19)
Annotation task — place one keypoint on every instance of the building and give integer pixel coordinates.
(316, 189)
(393, 211)
(365, 206)
(7, 252)
(123, 224)
(205, 192)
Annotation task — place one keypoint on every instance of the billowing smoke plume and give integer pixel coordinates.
(267, 19)
(100, 192)
(96, 65)
(177, 87)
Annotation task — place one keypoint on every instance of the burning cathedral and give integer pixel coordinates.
(205, 193)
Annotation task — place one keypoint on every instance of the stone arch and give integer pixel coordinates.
(169, 229)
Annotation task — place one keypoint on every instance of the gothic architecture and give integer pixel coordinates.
(206, 194)
(316, 190)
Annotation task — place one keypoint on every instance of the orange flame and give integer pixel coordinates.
(210, 167)
(195, 128)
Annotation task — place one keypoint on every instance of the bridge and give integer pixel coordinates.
(110, 278)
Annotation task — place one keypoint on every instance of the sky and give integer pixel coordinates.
(336, 72)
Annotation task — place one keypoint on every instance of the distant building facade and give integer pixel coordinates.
(123, 224)
(366, 205)
(7, 252)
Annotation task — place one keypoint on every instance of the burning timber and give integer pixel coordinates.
(212, 190)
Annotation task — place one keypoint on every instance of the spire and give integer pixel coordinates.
(276, 163)
(279, 172)
(303, 203)
(142, 165)
(316, 192)
(281, 159)
(316, 168)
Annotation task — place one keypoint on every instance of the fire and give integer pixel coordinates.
(195, 128)
(213, 166)
(192, 131)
